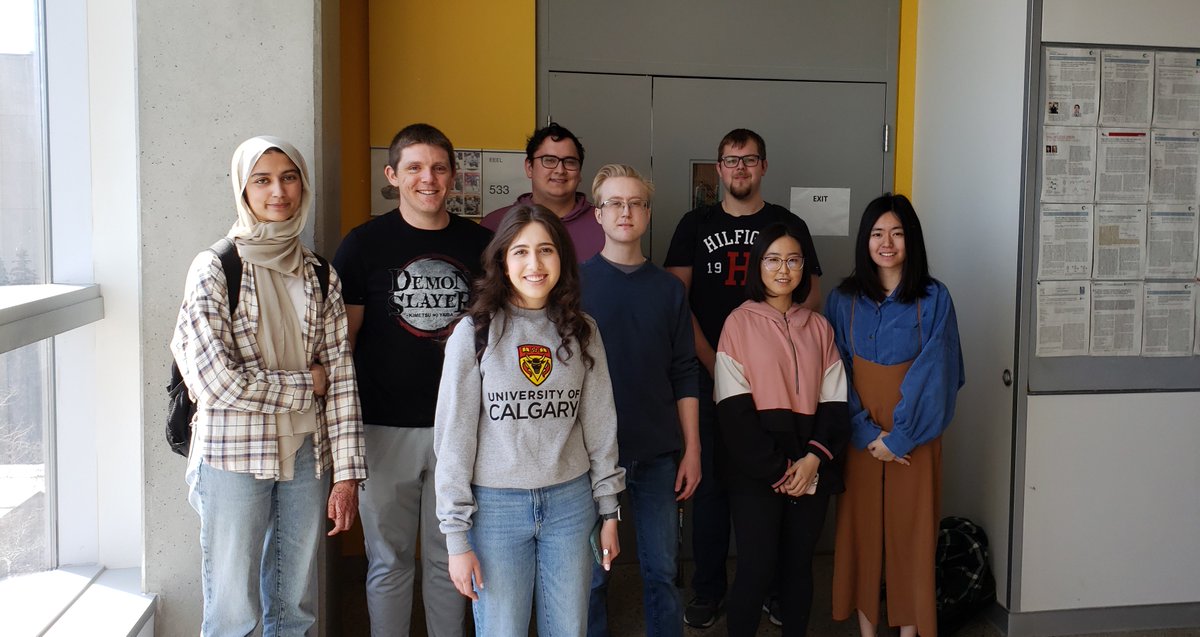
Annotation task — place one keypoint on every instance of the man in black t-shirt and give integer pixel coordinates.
(406, 276)
(710, 253)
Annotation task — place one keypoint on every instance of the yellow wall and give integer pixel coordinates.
(466, 66)
(905, 88)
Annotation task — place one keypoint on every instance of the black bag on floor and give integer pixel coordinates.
(965, 585)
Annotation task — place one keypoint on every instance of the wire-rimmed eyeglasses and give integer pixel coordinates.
(634, 205)
(772, 264)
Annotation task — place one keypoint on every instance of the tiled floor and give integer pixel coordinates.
(625, 617)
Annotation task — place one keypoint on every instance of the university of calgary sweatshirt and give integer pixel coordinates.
(521, 418)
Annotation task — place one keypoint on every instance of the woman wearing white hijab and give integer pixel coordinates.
(277, 405)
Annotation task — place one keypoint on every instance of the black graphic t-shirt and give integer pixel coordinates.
(716, 246)
(412, 283)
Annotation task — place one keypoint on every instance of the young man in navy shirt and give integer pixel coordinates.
(644, 319)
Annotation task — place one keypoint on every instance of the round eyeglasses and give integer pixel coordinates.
(773, 264)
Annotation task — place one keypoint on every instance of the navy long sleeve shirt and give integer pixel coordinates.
(644, 319)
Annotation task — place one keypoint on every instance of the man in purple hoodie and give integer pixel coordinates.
(554, 164)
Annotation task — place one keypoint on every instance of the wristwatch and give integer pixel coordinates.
(615, 515)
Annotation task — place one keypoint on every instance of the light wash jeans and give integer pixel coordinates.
(650, 486)
(258, 549)
(532, 547)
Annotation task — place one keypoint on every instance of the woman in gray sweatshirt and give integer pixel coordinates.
(526, 437)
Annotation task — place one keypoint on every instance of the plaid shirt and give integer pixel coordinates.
(237, 398)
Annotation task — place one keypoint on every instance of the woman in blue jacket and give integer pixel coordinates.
(897, 333)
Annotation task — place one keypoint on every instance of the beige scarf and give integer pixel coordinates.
(274, 252)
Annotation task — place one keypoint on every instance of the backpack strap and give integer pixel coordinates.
(231, 263)
(323, 275)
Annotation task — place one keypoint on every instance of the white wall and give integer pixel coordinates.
(1111, 501)
(1110, 484)
(1141, 23)
(967, 191)
(210, 75)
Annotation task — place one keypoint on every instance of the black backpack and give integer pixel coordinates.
(965, 585)
(180, 406)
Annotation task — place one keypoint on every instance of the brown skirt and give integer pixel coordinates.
(893, 510)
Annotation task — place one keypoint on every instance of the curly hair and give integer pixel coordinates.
(494, 291)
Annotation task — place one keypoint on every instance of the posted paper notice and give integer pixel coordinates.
(825, 210)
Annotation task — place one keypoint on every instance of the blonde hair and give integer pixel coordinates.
(608, 171)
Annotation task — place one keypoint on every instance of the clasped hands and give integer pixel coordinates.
(799, 475)
(880, 452)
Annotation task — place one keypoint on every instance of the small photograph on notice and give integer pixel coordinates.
(454, 204)
(470, 182)
(470, 206)
(468, 160)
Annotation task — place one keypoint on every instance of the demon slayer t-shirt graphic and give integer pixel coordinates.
(428, 293)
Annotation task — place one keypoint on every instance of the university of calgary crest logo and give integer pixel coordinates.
(535, 362)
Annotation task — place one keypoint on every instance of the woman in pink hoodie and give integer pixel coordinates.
(781, 409)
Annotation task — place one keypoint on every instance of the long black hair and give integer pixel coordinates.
(914, 276)
(756, 290)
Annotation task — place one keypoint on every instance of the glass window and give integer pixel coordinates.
(24, 497)
(23, 218)
(26, 415)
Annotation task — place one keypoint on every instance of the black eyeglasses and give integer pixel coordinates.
(551, 162)
(731, 161)
(772, 264)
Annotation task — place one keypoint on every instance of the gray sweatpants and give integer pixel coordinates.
(395, 502)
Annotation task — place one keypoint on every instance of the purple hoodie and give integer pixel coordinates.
(581, 224)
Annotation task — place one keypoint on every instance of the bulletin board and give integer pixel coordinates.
(1115, 229)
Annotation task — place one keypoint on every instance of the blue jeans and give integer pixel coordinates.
(651, 488)
(258, 548)
(532, 545)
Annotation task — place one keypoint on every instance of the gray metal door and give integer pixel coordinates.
(818, 134)
(610, 114)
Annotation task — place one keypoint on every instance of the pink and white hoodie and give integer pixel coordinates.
(781, 393)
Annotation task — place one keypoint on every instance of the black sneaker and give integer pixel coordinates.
(771, 608)
(701, 612)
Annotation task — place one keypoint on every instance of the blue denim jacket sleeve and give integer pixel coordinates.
(930, 388)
